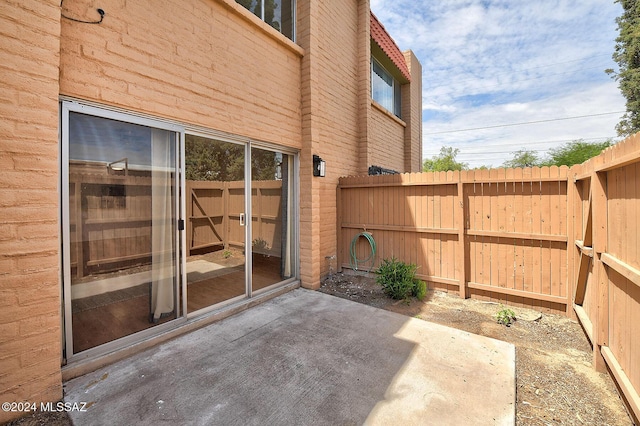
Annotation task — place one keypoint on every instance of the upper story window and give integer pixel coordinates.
(280, 14)
(385, 89)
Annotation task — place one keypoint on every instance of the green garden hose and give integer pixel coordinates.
(354, 261)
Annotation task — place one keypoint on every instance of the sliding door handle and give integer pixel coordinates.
(241, 219)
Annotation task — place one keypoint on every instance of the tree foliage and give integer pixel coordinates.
(523, 158)
(627, 55)
(208, 160)
(576, 152)
(444, 161)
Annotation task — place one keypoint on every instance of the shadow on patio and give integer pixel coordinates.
(307, 358)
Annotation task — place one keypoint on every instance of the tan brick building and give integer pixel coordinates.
(158, 165)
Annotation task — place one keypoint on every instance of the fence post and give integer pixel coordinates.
(572, 200)
(463, 255)
(601, 325)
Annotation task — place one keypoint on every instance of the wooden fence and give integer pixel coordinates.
(605, 261)
(494, 234)
(110, 218)
(214, 209)
(554, 239)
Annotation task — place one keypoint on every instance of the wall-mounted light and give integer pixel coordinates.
(118, 166)
(318, 166)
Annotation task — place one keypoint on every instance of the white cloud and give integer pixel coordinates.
(489, 62)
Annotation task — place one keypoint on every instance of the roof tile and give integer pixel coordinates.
(382, 38)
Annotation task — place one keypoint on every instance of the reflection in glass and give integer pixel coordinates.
(122, 212)
(277, 13)
(215, 214)
(271, 200)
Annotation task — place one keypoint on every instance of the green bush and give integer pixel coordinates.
(419, 289)
(506, 316)
(399, 281)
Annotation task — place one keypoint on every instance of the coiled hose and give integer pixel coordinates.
(353, 260)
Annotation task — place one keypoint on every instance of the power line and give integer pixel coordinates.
(523, 144)
(471, 154)
(523, 123)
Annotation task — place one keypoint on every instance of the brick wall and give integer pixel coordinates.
(386, 137)
(30, 331)
(338, 128)
(332, 35)
(412, 110)
(207, 62)
(309, 185)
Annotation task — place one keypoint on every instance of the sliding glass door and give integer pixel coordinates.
(272, 246)
(229, 234)
(120, 218)
(159, 225)
(216, 232)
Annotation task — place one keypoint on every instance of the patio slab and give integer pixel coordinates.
(307, 358)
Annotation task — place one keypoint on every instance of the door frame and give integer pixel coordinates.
(66, 107)
(183, 317)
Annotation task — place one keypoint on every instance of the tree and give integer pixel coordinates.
(208, 160)
(213, 161)
(523, 158)
(627, 55)
(444, 161)
(576, 152)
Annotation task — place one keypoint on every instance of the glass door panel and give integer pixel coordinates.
(271, 231)
(121, 216)
(215, 226)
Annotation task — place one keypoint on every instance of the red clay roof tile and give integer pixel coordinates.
(388, 46)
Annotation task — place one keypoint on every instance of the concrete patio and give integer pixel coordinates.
(307, 358)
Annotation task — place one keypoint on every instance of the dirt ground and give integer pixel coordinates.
(556, 384)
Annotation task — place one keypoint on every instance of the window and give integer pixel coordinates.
(280, 14)
(385, 89)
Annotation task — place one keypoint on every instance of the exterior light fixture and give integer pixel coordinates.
(118, 166)
(318, 166)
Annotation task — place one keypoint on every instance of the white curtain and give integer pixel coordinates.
(162, 244)
(288, 228)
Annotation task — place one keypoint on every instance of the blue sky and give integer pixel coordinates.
(488, 63)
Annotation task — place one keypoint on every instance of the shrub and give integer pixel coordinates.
(506, 316)
(399, 281)
(419, 289)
